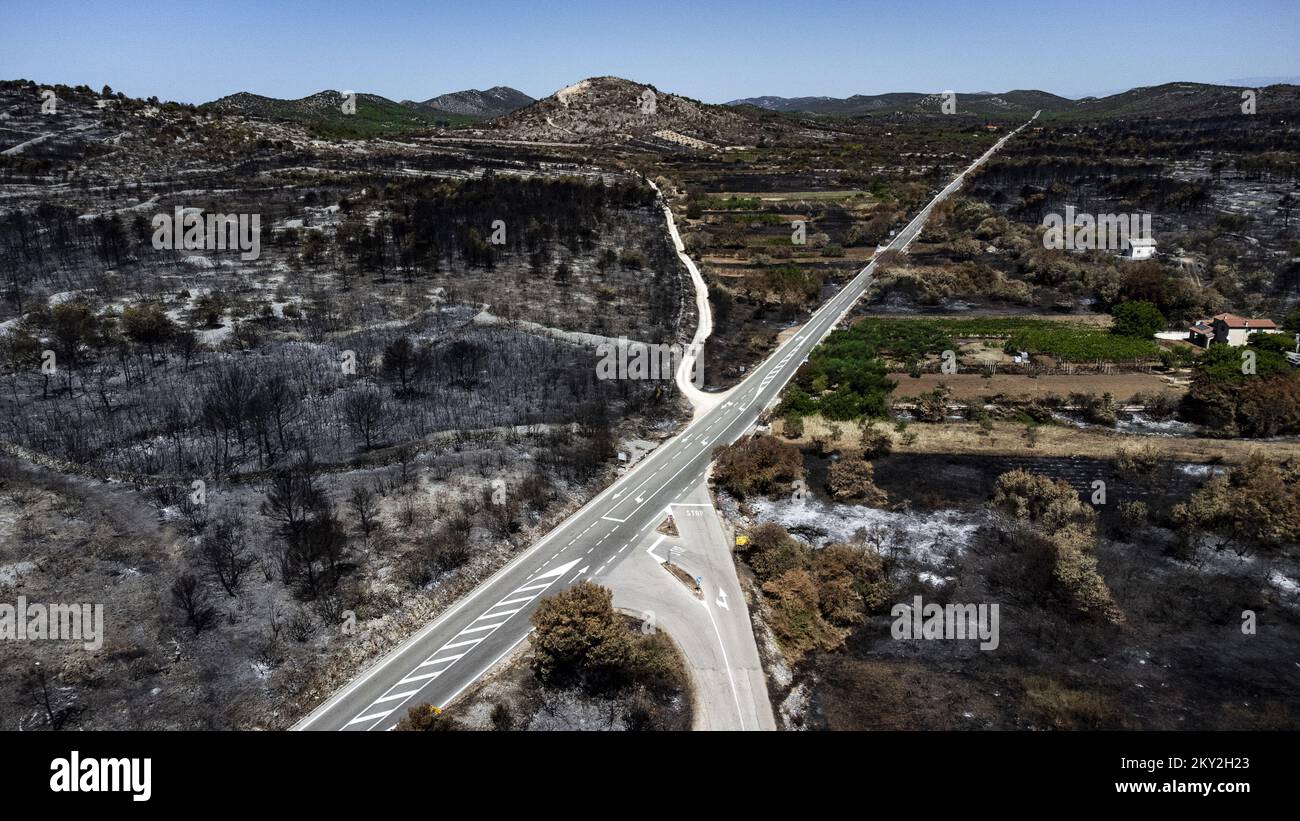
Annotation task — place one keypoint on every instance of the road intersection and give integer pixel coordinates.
(449, 654)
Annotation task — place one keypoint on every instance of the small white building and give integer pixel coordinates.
(1140, 248)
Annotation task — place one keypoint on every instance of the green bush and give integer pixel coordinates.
(1137, 318)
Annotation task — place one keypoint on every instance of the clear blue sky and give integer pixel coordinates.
(714, 50)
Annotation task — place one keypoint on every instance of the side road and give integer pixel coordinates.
(711, 625)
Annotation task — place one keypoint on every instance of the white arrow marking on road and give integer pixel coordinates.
(722, 600)
(579, 573)
(559, 571)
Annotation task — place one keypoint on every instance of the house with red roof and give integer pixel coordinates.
(1227, 329)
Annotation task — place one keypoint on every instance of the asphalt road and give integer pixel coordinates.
(436, 664)
(709, 624)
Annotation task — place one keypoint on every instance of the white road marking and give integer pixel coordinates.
(526, 589)
(651, 550)
(498, 615)
(516, 601)
(735, 694)
(480, 629)
(360, 719)
(405, 695)
(468, 643)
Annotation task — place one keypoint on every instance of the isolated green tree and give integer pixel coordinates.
(1137, 318)
(579, 638)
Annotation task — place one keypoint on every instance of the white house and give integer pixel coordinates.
(1140, 248)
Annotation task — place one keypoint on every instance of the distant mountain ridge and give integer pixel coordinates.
(494, 102)
(612, 110)
(1166, 100)
(1019, 101)
(323, 112)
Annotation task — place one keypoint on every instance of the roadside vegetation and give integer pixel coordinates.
(1103, 600)
(586, 667)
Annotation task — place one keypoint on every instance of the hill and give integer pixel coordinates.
(482, 105)
(1186, 101)
(322, 113)
(610, 110)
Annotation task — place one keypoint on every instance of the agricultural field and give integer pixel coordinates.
(740, 215)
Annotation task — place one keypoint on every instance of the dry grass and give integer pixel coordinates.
(967, 386)
(1064, 708)
(1008, 439)
(1095, 320)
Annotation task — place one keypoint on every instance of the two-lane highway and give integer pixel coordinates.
(441, 660)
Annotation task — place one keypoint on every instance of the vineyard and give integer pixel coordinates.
(909, 339)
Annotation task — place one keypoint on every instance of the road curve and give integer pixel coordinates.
(437, 663)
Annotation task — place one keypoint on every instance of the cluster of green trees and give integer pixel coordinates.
(1246, 391)
(845, 378)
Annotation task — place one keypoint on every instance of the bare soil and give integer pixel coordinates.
(1008, 438)
(974, 386)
